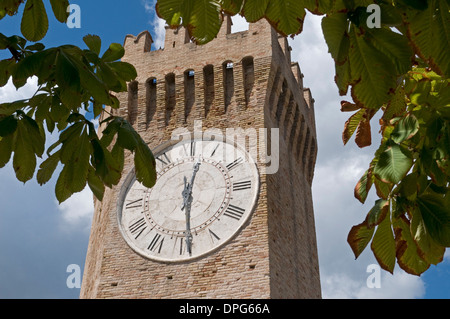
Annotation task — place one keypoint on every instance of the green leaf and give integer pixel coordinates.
(393, 164)
(6, 148)
(430, 32)
(205, 21)
(110, 131)
(393, 45)
(363, 186)
(93, 84)
(9, 7)
(35, 47)
(359, 236)
(352, 124)
(70, 139)
(47, 168)
(286, 16)
(68, 79)
(62, 189)
(24, 159)
(406, 248)
(343, 77)
(40, 64)
(396, 105)
(34, 24)
(8, 125)
(409, 187)
(106, 167)
(93, 42)
(254, 10)
(378, 213)
(35, 137)
(391, 16)
(172, 10)
(127, 136)
(416, 4)
(429, 250)
(372, 72)
(383, 245)
(383, 188)
(124, 70)
(75, 172)
(110, 78)
(144, 163)
(5, 71)
(405, 129)
(318, 7)
(118, 153)
(232, 7)
(80, 161)
(96, 185)
(334, 29)
(59, 8)
(114, 53)
(436, 217)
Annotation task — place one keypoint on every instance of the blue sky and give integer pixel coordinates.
(39, 239)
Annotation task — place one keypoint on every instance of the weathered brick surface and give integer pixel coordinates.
(275, 255)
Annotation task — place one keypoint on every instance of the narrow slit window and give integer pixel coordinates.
(132, 101)
(170, 96)
(150, 99)
(208, 76)
(249, 78)
(281, 101)
(189, 92)
(228, 82)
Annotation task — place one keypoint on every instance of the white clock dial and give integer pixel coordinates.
(205, 192)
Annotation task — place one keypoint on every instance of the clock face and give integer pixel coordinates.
(205, 192)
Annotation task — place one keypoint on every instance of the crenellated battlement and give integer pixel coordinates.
(219, 83)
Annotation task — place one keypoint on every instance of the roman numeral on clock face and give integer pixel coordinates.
(156, 243)
(235, 163)
(164, 159)
(234, 212)
(192, 148)
(238, 186)
(138, 227)
(134, 204)
(213, 236)
(189, 148)
(214, 151)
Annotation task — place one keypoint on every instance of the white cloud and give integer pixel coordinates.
(77, 211)
(397, 286)
(158, 25)
(9, 93)
(239, 24)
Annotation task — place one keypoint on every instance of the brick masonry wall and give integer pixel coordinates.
(275, 254)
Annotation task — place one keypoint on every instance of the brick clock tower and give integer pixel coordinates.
(231, 216)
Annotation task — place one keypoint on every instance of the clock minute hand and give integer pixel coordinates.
(187, 191)
(187, 201)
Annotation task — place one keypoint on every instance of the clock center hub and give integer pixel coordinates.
(210, 193)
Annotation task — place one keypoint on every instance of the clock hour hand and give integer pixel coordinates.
(187, 201)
